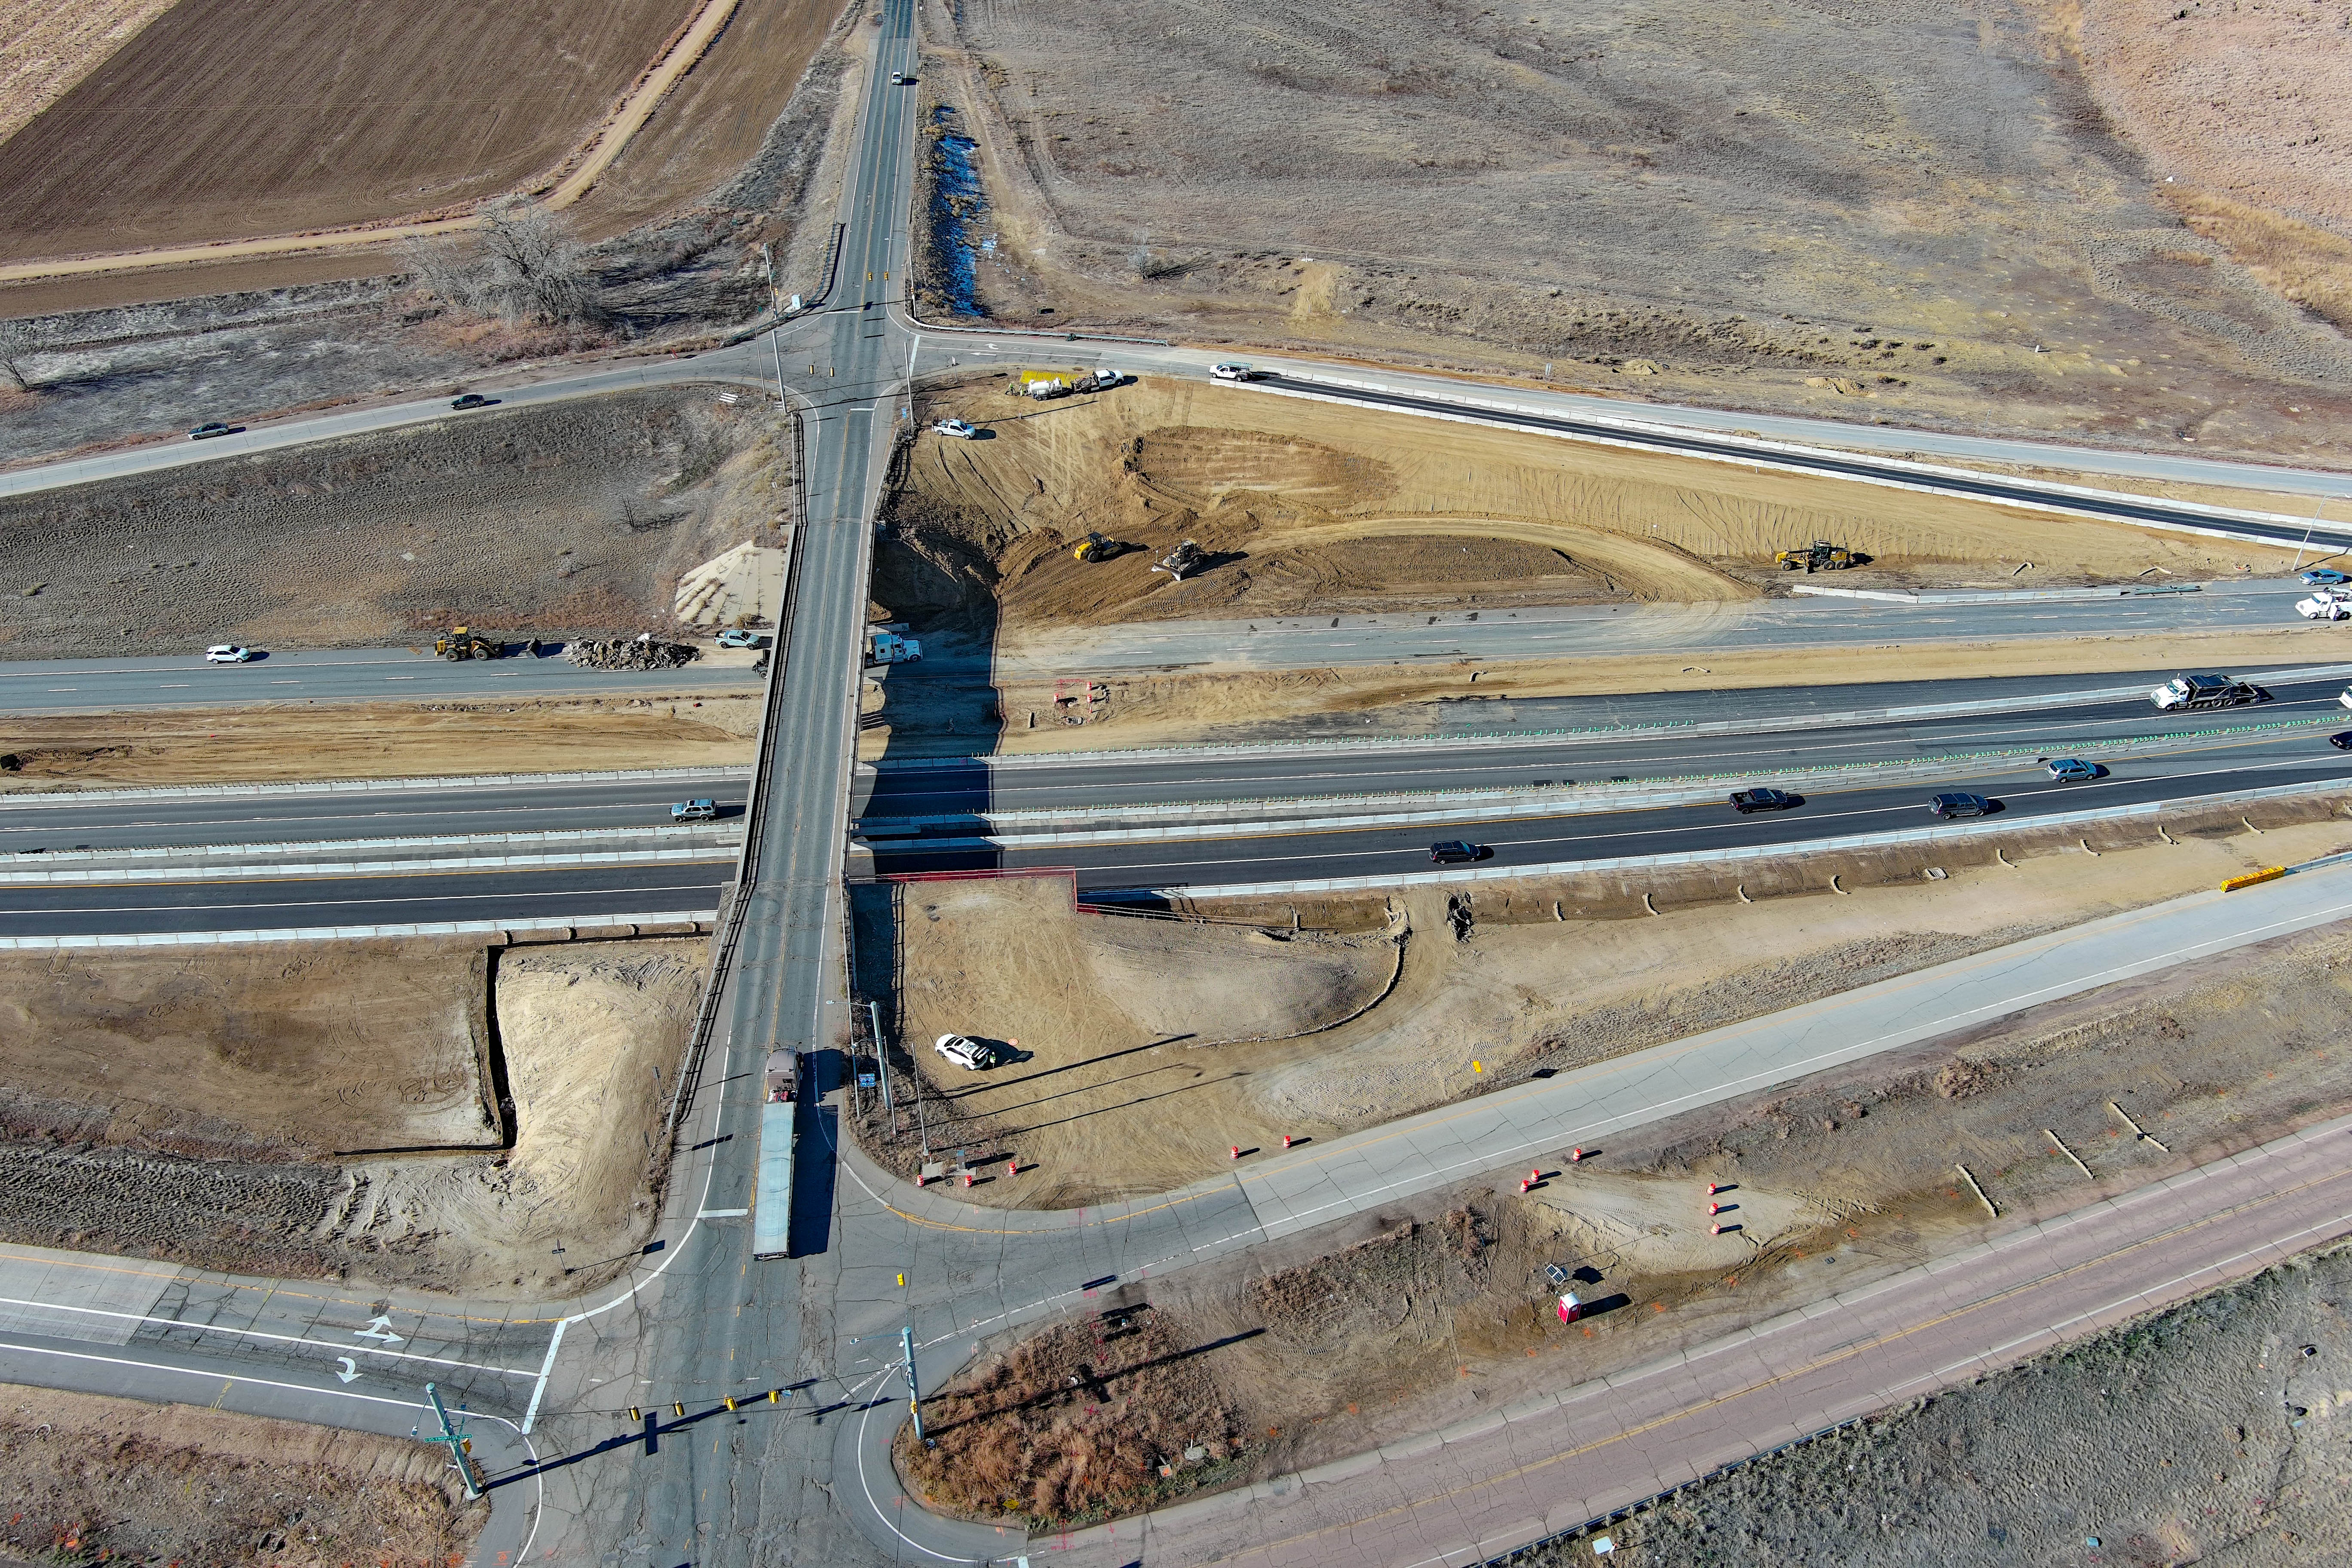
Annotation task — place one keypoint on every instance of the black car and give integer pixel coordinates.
(1744, 801)
(1960, 806)
(2342, 742)
(471, 400)
(1455, 851)
(210, 428)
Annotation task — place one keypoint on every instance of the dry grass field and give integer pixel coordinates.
(1897, 211)
(229, 117)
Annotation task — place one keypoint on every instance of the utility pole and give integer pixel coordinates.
(914, 1395)
(456, 1442)
(776, 343)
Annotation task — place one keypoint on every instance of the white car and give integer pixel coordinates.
(2346, 698)
(227, 653)
(964, 1053)
(2325, 605)
(1228, 370)
(960, 428)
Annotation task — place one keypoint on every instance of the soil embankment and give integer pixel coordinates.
(576, 518)
(333, 1109)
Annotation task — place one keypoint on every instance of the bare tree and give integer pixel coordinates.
(537, 267)
(16, 342)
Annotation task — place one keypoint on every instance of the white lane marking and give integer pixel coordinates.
(351, 1369)
(379, 1329)
(253, 1334)
(176, 686)
(723, 1214)
(539, 1389)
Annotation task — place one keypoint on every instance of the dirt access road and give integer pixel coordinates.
(1756, 206)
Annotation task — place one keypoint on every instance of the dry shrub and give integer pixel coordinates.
(1963, 1076)
(1074, 1426)
(12, 401)
(2307, 265)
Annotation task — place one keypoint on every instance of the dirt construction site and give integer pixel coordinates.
(429, 1112)
(1429, 1310)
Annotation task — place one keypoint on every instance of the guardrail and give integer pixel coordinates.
(747, 860)
(1843, 844)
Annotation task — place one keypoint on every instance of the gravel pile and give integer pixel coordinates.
(629, 653)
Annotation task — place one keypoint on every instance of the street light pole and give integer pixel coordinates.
(450, 1435)
(914, 1394)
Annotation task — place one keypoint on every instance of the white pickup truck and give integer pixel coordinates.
(2325, 604)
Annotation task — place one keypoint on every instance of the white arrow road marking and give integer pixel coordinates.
(381, 1328)
(351, 1369)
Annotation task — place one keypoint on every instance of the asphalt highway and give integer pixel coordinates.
(1785, 729)
(1232, 855)
(340, 675)
(98, 820)
(1601, 630)
(281, 903)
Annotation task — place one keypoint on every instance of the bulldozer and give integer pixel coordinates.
(1096, 547)
(1821, 555)
(464, 643)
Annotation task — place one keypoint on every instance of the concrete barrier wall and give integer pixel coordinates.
(13, 877)
(365, 786)
(608, 925)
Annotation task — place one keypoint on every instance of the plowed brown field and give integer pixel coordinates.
(229, 117)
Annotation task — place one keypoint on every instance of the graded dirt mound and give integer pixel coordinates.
(574, 518)
(1307, 508)
(1109, 1106)
(269, 1053)
(198, 1127)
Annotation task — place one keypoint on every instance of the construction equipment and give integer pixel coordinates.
(462, 643)
(1185, 558)
(1821, 555)
(1095, 547)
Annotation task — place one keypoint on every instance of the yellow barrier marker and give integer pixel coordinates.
(2268, 874)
